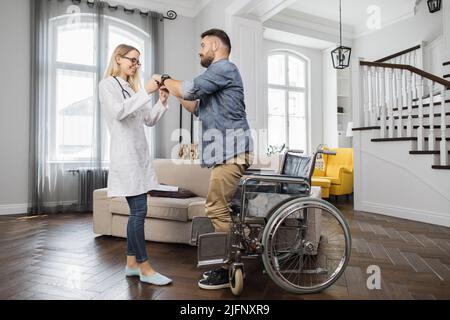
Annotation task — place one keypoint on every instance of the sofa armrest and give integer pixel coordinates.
(342, 174)
(346, 170)
(102, 213)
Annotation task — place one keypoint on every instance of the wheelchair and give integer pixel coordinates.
(304, 241)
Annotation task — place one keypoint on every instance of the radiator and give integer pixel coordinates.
(88, 181)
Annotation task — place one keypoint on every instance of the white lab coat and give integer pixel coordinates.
(130, 170)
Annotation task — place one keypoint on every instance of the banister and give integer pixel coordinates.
(422, 73)
(398, 54)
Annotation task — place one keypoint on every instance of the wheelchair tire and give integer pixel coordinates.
(237, 281)
(306, 266)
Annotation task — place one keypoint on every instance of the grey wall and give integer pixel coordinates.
(180, 60)
(211, 16)
(400, 36)
(14, 104)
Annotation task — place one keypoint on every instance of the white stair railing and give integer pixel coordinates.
(420, 130)
(431, 137)
(444, 160)
(366, 95)
(399, 102)
(391, 101)
(385, 86)
(373, 96)
(382, 101)
(409, 98)
(412, 57)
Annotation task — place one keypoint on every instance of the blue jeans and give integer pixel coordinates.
(135, 228)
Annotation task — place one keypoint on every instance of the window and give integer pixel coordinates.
(287, 100)
(74, 77)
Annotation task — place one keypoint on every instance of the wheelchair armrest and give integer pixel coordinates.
(252, 170)
(280, 178)
(258, 172)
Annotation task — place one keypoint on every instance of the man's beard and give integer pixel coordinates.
(206, 61)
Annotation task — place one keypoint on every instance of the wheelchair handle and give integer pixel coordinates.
(314, 159)
(296, 151)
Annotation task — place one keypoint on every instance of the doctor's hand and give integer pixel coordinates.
(151, 86)
(163, 95)
(157, 78)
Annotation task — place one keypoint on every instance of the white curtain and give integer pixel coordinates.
(69, 141)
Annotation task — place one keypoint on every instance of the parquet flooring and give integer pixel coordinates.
(59, 257)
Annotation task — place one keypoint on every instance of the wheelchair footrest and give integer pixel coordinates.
(200, 225)
(213, 248)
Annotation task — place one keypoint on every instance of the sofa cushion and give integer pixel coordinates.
(183, 173)
(196, 208)
(333, 180)
(164, 208)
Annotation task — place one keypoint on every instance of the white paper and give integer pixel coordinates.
(166, 188)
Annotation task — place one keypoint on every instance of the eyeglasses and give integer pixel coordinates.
(134, 61)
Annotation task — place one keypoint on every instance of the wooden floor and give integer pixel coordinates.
(59, 257)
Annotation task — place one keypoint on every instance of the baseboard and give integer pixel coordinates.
(406, 213)
(11, 209)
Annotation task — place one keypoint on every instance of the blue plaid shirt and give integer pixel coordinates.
(225, 130)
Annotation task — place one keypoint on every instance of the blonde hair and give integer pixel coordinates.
(113, 69)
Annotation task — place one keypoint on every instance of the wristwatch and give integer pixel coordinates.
(164, 77)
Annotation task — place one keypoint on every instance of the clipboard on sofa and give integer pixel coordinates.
(166, 191)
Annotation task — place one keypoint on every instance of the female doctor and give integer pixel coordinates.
(126, 109)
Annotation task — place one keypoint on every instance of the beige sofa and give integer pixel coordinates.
(168, 220)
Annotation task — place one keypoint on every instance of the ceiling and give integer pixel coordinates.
(296, 39)
(354, 12)
(187, 8)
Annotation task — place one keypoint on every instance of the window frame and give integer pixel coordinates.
(55, 66)
(287, 88)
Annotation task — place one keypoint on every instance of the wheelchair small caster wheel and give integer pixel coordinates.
(236, 281)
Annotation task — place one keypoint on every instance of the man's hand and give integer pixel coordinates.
(163, 95)
(157, 78)
(172, 85)
(151, 86)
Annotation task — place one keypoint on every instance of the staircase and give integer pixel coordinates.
(404, 103)
(402, 142)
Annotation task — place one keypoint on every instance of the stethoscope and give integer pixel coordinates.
(123, 93)
(123, 90)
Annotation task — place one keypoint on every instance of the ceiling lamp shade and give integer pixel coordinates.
(434, 5)
(341, 55)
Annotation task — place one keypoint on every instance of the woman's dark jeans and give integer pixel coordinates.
(135, 228)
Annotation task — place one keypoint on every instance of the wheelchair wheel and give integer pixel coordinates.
(236, 281)
(307, 245)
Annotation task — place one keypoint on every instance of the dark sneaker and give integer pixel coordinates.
(209, 273)
(217, 280)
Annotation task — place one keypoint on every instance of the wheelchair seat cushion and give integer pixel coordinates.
(252, 186)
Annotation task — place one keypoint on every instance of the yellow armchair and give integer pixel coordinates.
(336, 178)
